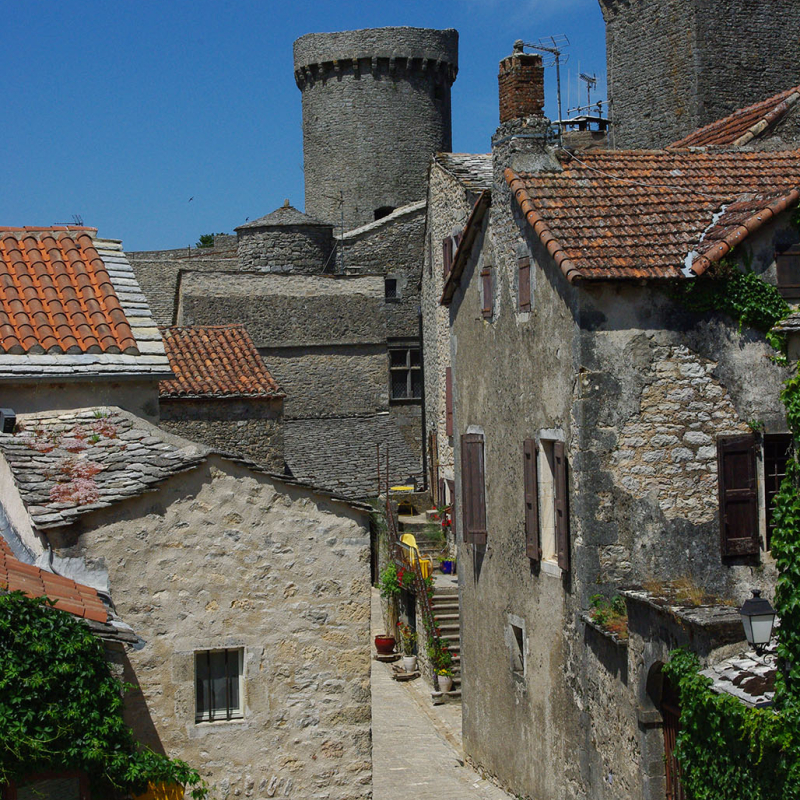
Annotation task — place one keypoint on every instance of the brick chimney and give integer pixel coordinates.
(521, 85)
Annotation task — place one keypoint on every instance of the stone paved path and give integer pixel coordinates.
(416, 746)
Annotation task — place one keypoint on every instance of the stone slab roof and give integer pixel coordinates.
(215, 361)
(339, 453)
(653, 213)
(790, 324)
(68, 464)
(383, 222)
(77, 599)
(474, 171)
(743, 125)
(284, 216)
(748, 677)
(70, 305)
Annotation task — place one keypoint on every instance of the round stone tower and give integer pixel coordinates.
(376, 106)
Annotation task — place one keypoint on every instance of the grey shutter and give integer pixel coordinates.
(530, 480)
(561, 510)
(738, 498)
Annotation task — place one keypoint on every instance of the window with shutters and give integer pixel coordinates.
(524, 283)
(473, 489)
(777, 450)
(448, 400)
(738, 495)
(447, 256)
(487, 293)
(787, 267)
(218, 685)
(553, 506)
(405, 373)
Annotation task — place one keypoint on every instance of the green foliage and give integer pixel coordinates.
(61, 709)
(728, 751)
(744, 296)
(388, 584)
(207, 240)
(610, 614)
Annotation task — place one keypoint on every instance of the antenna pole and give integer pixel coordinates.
(558, 90)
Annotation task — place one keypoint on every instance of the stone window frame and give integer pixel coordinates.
(409, 368)
(230, 713)
(550, 496)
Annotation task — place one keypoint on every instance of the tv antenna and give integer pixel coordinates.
(339, 198)
(77, 219)
(591, 83)
(553, 46)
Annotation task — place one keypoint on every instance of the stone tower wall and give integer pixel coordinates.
(376, 106)
(676, 65)
(305, 250)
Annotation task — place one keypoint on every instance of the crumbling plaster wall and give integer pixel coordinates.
(225, 558)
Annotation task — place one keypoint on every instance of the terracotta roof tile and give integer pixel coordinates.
(215, 361)
(56, 295)
(77, 599)
(744, 125)
(653, 214)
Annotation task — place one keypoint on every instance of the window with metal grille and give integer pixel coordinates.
(405, 368)
(777, 449)
(390, 291)
(218, 684)
(787, 266)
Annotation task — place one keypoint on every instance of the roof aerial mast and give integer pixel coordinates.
(553, 46)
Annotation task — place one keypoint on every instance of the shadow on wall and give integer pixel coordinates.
(136, 712)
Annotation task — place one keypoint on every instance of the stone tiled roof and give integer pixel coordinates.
(215, 361)
(653, 213)
(77, 599)
(70, 305)
(744, 125)
(748, 677)
(790, 323)
(68, 464)
(472, 170)
(284, 216)
(339, 453)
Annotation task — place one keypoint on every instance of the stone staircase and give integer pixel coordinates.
(448, 619)
(429, 540)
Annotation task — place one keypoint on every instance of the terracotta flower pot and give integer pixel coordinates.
(384, 644)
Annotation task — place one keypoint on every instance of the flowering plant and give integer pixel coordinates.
(408, 638)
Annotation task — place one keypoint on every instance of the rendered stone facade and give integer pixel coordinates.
(676, 65)
(376, 106)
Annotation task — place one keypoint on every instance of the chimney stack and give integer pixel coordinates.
(521, 85)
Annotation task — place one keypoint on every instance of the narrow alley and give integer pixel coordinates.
(416, 746)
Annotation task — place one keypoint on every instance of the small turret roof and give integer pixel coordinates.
(286, 215)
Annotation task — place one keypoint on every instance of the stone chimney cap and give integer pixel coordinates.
(519, 46)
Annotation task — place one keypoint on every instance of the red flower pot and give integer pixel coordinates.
(384, 645)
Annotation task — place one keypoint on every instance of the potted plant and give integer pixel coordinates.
(408, 640)
(389, 588)
(445, 678)
(447, 565)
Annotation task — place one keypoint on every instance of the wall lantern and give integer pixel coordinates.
(758, 617)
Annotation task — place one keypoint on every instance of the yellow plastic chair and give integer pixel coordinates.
(425, 564)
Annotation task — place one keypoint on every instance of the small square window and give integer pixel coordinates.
(218, 684)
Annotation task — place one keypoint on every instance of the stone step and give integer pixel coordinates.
(446, 616)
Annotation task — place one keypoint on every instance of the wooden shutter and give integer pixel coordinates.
(486, 278)
(738, 499)
(531, 483)
(561, 510)
(524, 283)
(447, 256)
(448, 400)
(473, 488)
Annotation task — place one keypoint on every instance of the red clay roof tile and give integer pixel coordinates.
(650, 214)
(744, 125)
(56, 295)
(215, 361)
(77, 599)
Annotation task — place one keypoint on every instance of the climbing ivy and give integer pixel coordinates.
(727, 750)
(61, 708)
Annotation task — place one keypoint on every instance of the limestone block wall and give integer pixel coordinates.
(376, 105)
(222, 557)
(675, 65)
(250, 427)
(304, 250)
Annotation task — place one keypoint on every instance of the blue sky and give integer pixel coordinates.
(121, 111)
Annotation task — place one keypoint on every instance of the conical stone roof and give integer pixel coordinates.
(282, 217)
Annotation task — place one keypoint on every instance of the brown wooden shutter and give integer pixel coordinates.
(486, 277)
(473, 488)
(447, 256)
(561, 510)
(531, 483)
(738, 499)
(524, 279)
(448, 400)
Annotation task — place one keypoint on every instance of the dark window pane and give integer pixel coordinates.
(201, 682)
(776, 455)
(398, 357)
(390, 289)
(414, 358)
(219, 699)
(416, 383)
(400, 384)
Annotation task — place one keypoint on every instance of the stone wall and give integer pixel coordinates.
(225, 558)
(376, 106)
(303, 250)
(675, 65)
(393, 248)
(158, 271)
(250, 427)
